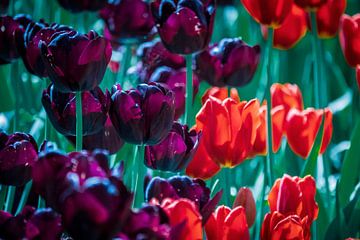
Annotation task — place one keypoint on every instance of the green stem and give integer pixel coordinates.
(270, 154)
(3, 192)
(79, 122)
(262, 205)
(10, 199)
(125, 61)
(24, 197)
(189, 89)
(41, 202)
(225, 178)
(15, 77)
(46, 121)
(141, 171)
(317, 69)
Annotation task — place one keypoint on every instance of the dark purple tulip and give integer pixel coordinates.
(230, 63)
(61, 110)
(107, 139)
(153, 55)
(149, 222)
(184, 26)
(28, 44)
(128, 20)
(143, 115)
(76, 62)
(82, 5)
(18, 153)
(175, 80)
(4, 5)
(175, 152)
(184, 187)
(31, 224)
(8, 50)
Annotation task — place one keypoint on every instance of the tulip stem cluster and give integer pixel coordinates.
(317, 69)
(79, 122)
(189, 89)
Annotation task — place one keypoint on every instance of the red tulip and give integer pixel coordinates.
(227, 224)
(246, 199)
(294, 196)
(350, 38)
(292, 30)
(271, 13)
(310, 5)
(279, 226)
(301, 129)
(183, 215)
(220, 93)
(288, 95)
(328, 18)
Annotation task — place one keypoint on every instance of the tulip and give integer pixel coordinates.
(231, 62)
(301, 129)
(245, 199)
(227, 224)
(292, 30)
(18, 154)
(31, 224)
(8, 51)
(294, 196)
(184, 27)
(183, 214)
(143, 115)
(175, 152)
(183, 187)
(154, 55)
(310, 5)
(349, 37)
(74, 61)
(4, 5)
(61, 110)
(279, 226)
(149, 222)
(76, 6)
(107, 138)
(175, 80)
(328, 18)
(28, 44)
(269, 13)
(220, 93)
(287, 95)
(127, 20)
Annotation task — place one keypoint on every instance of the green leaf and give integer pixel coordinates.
(310, 164)
(351, 168)
(322, 221)
(7, 101)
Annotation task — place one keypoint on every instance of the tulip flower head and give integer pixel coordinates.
(8, 50)
(349, 38)
(184, 27)
(245, 199)
(143, 115)
(328, 18)
(231, 62)
(18, 154)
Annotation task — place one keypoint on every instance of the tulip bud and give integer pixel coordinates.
(245, 199)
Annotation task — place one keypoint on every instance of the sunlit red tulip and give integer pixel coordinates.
(310, 5)
(82, 5)
(349, 38)
(280, 226)
(270, 13)
(175, 80)
(328, 18)
(8, 50)
(61, 110)
(301, 128)
(231, 62)
(74, 61)
(175, 151)
(288, 95)
(184, 187)
(154, 55)
(143, 115)
(28, 44)
(31, 224)
(227, 224)
(127, 20)
(184, 27)
(183, 214)
(294, 196)
(220, 93)
(245, 199)
(292, 30)
(18, 153)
